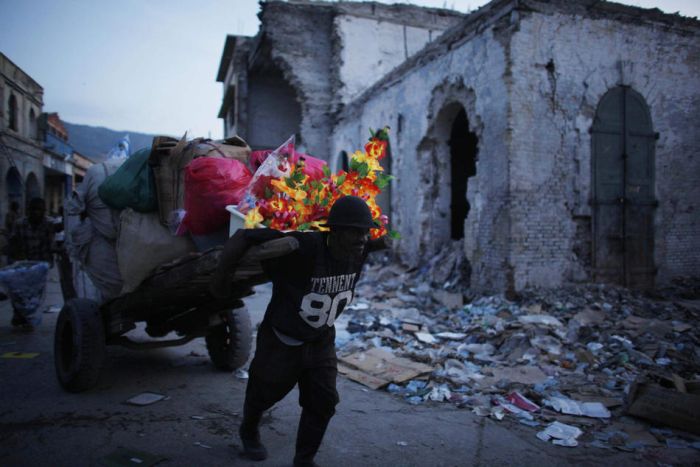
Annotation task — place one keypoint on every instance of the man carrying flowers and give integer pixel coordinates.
(296, 339)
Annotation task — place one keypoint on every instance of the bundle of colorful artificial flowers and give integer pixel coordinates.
(288, 198)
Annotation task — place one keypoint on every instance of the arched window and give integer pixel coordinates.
(12, 112)
(13, 185)
(32, 188)
(32, 124)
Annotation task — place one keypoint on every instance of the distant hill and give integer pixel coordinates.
(95, 142)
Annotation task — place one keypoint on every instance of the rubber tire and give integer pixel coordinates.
(229, 343)
(79, 345)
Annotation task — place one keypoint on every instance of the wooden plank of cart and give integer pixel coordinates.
(174, 299)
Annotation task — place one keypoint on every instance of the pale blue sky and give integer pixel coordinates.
(148, 65)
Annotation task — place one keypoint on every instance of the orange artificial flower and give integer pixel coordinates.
(376, 148)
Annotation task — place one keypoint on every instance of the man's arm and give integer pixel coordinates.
(234, 249)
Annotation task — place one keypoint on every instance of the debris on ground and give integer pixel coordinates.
(376, 368)
(569, 358)
(146, 398)
(126, 457)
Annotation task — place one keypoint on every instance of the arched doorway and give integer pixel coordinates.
(623, 145)
(448, 156)
(14, 186)
(32, 188)
(463, 147)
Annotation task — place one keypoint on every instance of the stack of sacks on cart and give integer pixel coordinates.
(131, 215)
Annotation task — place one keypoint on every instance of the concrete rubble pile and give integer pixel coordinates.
(565, 361)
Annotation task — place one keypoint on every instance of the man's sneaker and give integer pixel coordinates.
(252, 447)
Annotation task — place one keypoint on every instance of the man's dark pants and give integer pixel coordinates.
(277, 367)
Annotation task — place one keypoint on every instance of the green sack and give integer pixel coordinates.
(132, 185)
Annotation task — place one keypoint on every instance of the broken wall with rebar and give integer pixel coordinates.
(564, 62)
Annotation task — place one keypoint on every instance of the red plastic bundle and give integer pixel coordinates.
(212, 183)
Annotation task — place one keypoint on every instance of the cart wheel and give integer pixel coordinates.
(229, 343)
(79, 345)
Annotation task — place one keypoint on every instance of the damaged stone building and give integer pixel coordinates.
(547, 142)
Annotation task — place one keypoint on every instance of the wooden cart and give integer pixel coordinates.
(175, 298)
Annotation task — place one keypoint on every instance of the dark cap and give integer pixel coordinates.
(350, 211)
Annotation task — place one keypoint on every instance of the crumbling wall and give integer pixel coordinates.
(370, 47)
(327, 53)
(276, 113)
(469, 73)
(300, 45)
(563, 63)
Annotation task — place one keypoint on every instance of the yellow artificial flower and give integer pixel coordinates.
(298, 195)
(372, 163)
(253, 218)
(281, 186)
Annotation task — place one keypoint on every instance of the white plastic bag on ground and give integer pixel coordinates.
(25, 283)
(144, 244)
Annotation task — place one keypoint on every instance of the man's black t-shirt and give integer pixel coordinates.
(310, 288)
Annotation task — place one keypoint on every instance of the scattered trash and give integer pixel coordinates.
(197, 417)
(439, 393)
(425, 337)
(456, 336)
(576, 350)
(541, 319)
(522, 402)
(376, 368)
(129, 457)
(498, 412)
(512, 408)
(560, 434)
(201, 445)
(519, 374)
(402, 443)
(451, 301)
(146, 398)
(53, 309)
(20, 355)
(240, 373)
(571, 407)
